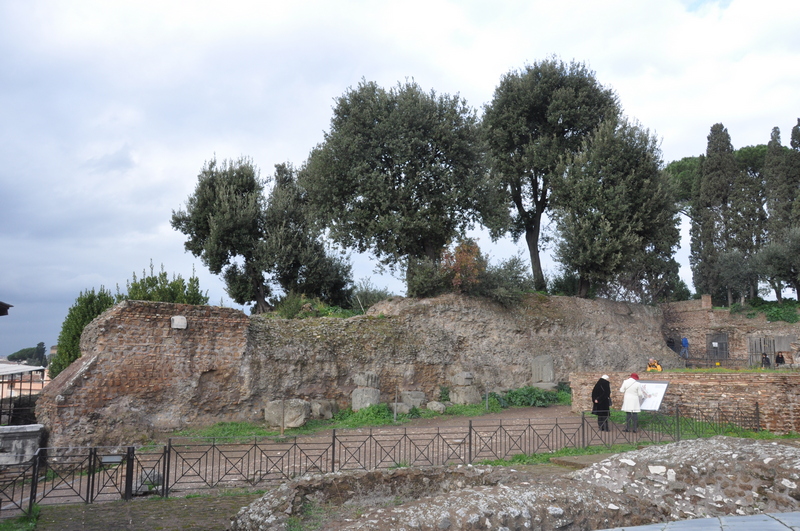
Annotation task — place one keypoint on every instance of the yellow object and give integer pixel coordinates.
(655, 366)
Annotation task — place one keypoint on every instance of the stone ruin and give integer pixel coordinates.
(140, 374)
(690, 479)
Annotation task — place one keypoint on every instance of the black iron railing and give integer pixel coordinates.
(88, 475)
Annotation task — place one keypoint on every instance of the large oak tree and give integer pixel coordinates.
(539, 115)
(400, 172)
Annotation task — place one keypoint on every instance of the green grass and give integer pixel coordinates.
(227, 429)
(21, 523)
(381, 415)
(538, 459)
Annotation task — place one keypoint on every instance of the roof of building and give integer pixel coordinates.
(4, 308)
(9, 368)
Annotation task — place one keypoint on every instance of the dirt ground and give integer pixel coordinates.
(209, 512)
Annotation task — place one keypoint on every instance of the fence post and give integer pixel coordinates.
(164, 471)
(469, 443)
(167, 467)
(333, 451)
(91, 473)
(677, 422)
(583, 429)
(128, 474)
(34, 480)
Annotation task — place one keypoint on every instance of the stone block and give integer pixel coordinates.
(400, 408)
(364, 397)
(413, 398)
(436, 407)
(542, 369)
(463, 378)
(295, 412)
(465, 394)
(324, 409)
(18, 444)
(366, 379)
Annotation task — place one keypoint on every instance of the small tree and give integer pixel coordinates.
(88, 305)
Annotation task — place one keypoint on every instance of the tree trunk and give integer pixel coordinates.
(777, 287)
(730, 298)
(583, 288)
(532, 239)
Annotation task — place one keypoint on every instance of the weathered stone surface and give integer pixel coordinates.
(364, 397)
(295, 412)
(465, 394)
(19, 443)
(324, 409)
(436, 407)
(413, 398)
(542, 369)
(463, 378)
(366, 379)
(399, 407)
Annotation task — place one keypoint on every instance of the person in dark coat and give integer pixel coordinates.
(601, 402)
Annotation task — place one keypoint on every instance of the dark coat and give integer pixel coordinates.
(601, 397)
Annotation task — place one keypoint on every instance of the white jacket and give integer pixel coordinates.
(632, 399)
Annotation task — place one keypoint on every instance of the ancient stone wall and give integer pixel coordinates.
(696, 321)
(138, 375)
(775, 392)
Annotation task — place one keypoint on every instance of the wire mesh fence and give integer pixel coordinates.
(185, 465)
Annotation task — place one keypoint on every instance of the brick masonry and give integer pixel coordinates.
(775, 392)
(137, 375)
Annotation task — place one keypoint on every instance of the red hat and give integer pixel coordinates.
(635, 376)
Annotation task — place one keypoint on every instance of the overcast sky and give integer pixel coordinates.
(108, 110)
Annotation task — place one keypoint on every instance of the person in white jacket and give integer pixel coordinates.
(631, 402)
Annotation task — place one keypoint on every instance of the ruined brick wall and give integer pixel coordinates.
(138, 375)
(777, 393)
(696, 320)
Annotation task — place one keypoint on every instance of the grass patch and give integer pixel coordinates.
(543, 458)
(227, 429)
(381, 415)
(21, 523)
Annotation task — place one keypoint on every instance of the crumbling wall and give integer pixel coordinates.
(138, 375)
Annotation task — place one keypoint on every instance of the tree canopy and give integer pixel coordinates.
(225, 225)
(88, 305)
(615, 212)
(36, 356)
(257, 241)
(538, 116)
(400, 172)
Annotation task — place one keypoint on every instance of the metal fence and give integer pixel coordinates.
(185, 465)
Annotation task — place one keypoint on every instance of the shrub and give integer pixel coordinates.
(531, 396)
(290, 305)
(427, 278)
(444, 393)
(365, 294)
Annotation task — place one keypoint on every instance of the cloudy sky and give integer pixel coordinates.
(108, 110)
